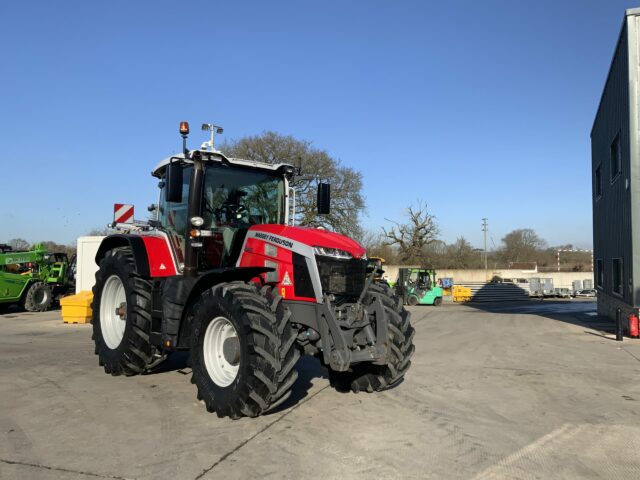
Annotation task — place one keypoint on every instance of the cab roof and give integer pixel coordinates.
(218, 157)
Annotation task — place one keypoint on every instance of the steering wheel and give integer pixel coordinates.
(232, 212)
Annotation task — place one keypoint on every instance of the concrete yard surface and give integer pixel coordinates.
(535, 390)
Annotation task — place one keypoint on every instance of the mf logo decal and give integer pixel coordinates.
(286, 280)
(272, 238)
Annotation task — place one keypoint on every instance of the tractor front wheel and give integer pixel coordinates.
(367, 377)
(38, 297)
(243, 350)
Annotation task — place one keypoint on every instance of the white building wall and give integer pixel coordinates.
(86, 262)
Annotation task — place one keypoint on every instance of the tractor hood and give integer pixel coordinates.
(314, 237)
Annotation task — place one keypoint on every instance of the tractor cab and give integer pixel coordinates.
(59, 268)
(421, 279)
(419, 286)
(227, 197)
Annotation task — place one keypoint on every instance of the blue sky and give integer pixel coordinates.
(481, 109)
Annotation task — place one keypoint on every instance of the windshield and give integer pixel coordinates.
(241, 197)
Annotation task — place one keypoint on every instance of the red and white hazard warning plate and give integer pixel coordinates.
(122, 213)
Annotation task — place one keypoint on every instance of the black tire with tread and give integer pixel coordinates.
(412, 300)
(134, 353)
(31, 303)
(268, 351)
(437, 301)
(367, 377)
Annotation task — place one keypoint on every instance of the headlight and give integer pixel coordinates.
(197, 221)
(332, 252)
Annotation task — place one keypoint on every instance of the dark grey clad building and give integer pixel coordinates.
(615, 169)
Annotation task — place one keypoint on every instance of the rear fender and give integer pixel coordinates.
(137, 247)
(152, 253)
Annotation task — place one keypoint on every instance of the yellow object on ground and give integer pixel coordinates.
(461, 294)
(77, 308)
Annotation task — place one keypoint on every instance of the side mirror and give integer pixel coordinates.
(174, 182)
(324, 198)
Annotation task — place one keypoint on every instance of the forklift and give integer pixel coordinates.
(418, 286)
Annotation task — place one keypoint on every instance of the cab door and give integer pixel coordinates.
(173, 217)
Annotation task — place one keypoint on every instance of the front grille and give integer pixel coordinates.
(342, 277)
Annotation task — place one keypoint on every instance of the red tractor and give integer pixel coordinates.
(221, 274)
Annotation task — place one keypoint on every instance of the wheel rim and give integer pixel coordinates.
(40, 297)
(221, 348)
(113, 323)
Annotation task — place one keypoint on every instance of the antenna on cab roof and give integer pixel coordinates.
(210, 127)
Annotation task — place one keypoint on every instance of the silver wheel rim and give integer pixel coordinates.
(111, 323)
(41, 297)
(219, 367)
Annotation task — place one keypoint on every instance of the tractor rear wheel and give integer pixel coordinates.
(367, 377)
(243, 350)
(122, 315)
(38, 297)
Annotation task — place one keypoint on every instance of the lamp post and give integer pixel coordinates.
(484, 229)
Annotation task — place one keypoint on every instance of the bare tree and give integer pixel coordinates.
(315, 166)
(413, 237)
(370, 239)
(463, 255)
(53, 247)
(375, 244)
(99, 232)
(521, 245)
(19, 244)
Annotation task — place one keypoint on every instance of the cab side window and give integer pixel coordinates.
(173, 216)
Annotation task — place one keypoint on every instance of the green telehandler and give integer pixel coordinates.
(35, 279)
(418, 286)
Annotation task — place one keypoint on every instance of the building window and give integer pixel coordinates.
(598, 181)
(618, 274)
(599, 273)
(615, 158)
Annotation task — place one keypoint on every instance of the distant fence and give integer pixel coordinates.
(463, 277)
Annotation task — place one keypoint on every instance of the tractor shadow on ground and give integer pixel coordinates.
(308, 369)
(10, 310)
(575, 312)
